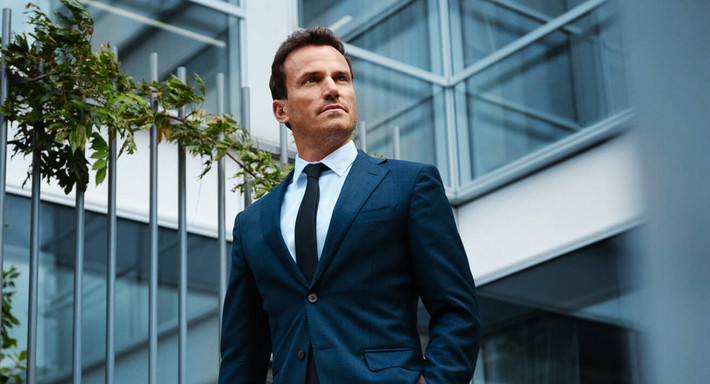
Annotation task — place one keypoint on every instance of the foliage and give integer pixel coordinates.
(64, 93)
(10, 373)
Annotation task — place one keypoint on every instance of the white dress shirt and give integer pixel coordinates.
(330, 183)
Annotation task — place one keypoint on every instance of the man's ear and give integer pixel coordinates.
(280, 111)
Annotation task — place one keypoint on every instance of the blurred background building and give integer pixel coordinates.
(525, 106)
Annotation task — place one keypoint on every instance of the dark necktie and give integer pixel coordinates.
(306, 248)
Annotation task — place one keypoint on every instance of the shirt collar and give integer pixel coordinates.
(338, 161)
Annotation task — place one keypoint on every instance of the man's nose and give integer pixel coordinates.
(330, 88)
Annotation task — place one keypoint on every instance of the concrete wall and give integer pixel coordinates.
(568, 205)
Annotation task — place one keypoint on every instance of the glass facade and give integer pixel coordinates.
(569, 320)
(182, 33)
(476, 85)
(472, 85)
(540, 94)
(572, 319)
(55, 296)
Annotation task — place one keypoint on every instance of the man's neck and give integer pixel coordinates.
(313, 154)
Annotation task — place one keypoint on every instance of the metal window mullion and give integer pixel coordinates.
(545, 117)
(436, 44)
(222, 6)
(462, 130)
(4, 91)
(528, 39)
(78, 285)
(534, 15)
(182, 250)
(552, 153)
(449, 100)
(384, 123)
(356, 29)
(394, 65)
(153, 228)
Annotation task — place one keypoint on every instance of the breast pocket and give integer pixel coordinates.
(407, 358)
(374, 215)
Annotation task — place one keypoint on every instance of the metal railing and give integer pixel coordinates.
(111, 244)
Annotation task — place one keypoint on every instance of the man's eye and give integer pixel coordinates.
(342, 78)
(310, 80)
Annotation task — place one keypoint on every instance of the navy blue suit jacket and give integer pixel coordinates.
(392, 239)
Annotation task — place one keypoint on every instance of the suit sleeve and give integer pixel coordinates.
(246, 342)
(445, 283)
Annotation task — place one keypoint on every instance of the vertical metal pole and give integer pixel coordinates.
(221, 207)
(246, 124)
(153, 225)
(449, 94)
(34, 267)
(34, 255)
(4, 91)
(395, 143)
(362, 135)
(111, 258)
(182, 250)
(234, 55)
(78, 284)
(283, 144)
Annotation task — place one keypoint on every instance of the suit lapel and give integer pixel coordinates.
(364, 176)
(271, 225)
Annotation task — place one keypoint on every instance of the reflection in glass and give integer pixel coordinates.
(182, 33)
(386, 99)
(406, 31)
(566, 81)
(56, 279)
(567, 320)
(489, 25)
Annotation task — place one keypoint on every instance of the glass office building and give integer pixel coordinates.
(490, 91)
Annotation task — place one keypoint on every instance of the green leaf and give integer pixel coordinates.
(99, 164)
(202, 83)
(100, 175)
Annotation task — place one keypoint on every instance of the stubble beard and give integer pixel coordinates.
(327, 139)
(334, 136)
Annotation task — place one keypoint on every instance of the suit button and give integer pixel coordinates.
(300, 354)
(312, 298)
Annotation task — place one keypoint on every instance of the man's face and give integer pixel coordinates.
(320, 105)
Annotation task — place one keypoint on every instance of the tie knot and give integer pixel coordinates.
(314, 170)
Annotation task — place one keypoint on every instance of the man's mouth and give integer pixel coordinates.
(331, 107)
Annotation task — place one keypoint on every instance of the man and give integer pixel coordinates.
(328, 268)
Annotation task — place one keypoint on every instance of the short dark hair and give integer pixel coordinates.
(299, 39)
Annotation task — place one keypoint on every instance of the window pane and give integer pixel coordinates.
(386, 99)
(488, 25)
(568, 320)
(202, 40)
(568, 80)
(55, 296)
(406, 31)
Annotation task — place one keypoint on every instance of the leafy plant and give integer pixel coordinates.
(12, 370)
(64, 94)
